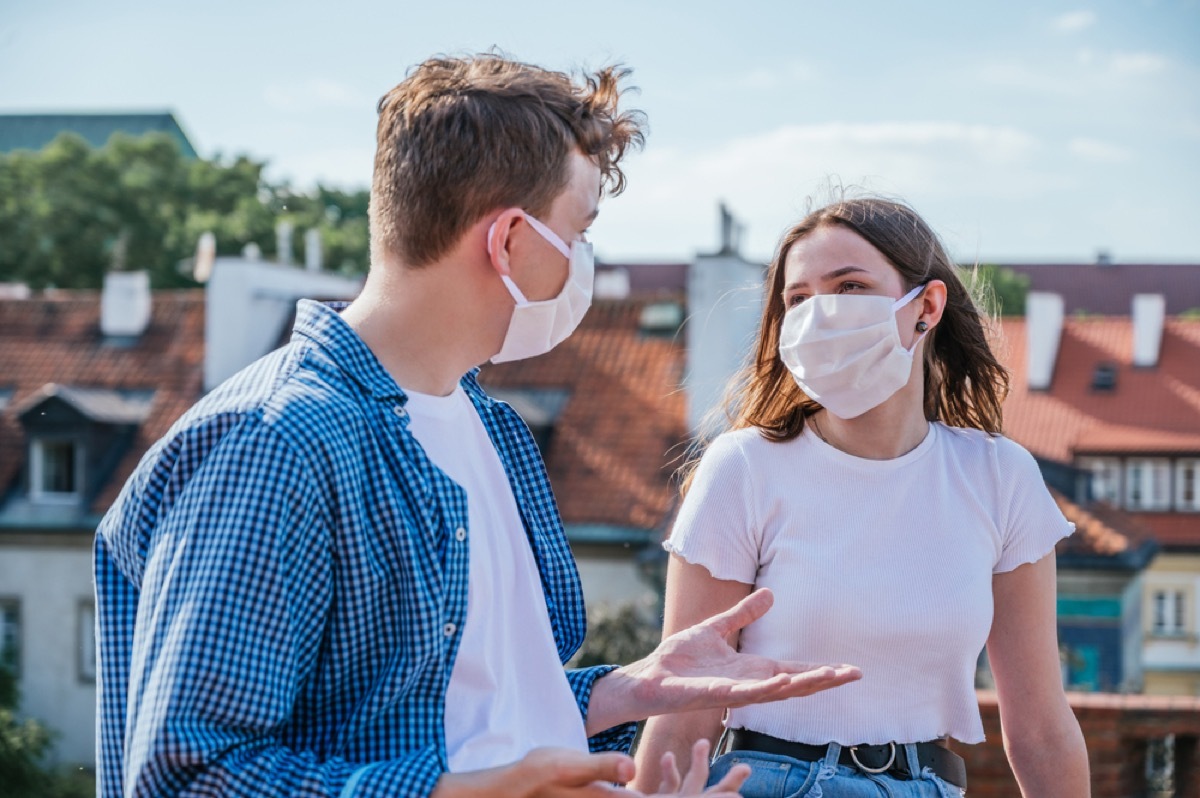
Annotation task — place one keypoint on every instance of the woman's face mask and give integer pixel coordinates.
(844, 350)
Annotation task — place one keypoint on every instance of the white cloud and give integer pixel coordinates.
(313, 95)
(768, 178)
(1137, 64)
(1098, 151)
(1073, 21)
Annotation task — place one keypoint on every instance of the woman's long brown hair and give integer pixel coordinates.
(965, 385)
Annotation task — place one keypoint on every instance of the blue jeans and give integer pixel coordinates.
(777, 776)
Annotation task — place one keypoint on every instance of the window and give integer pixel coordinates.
(10, 636)
(55, 465)
(87, 640)
(1170, 612)
(1106, 477)
(1148, 484)
(1187, 484)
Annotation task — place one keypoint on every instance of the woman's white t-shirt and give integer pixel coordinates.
(882, 564)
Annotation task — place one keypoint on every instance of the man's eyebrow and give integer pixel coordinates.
(833, 275)
(591, 217)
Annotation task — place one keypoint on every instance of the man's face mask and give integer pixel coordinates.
(844, 350)
(538, 327)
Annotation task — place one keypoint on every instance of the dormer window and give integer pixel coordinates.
(56, 466)
(75, 437)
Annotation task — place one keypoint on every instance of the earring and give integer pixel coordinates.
(922, 326)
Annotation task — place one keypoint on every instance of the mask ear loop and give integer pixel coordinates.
(516, 293)
(922, 327)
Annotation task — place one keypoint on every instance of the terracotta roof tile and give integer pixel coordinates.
(56, 338)
(1149, 407)
(1151, 411)
(1101, 529)
(615, 444)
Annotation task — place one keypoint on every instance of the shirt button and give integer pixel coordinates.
(449, 629)
(399, 411)
(460, 534)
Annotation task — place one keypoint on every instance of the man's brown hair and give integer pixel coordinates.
(460, 137)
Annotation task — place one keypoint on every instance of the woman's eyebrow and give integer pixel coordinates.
(833, 275)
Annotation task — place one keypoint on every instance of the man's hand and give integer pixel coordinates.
(697, 668)
(564, 773)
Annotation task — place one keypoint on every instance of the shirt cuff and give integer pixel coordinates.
(618, 738)
(414, 775)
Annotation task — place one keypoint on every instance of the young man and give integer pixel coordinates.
(343, 572)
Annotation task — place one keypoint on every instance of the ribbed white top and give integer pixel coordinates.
(883, 564)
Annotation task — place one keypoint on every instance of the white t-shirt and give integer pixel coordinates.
(883, 564)
(508, 693)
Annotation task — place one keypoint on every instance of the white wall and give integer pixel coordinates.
(248, 302)
(612, 580)
(724, 307)
(51, 580)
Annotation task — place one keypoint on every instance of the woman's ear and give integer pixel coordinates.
(932, 303)
(498, 239)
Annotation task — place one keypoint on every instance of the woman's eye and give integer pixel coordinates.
(844, 287)
(793, 300)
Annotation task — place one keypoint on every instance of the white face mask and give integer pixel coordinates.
(538, 327)
(844, 350)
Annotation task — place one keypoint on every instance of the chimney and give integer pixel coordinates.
(283, 242)
(206, 253)
(1043, 330)
(312, 249)
(1104, 258)
(125, 304)
(1149, 312)
(612, 283)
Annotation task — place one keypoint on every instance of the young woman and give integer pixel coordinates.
(866, 483)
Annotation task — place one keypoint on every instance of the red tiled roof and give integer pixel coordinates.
(56, 339)
(615, 445)
(1151, 410)
(1172, 529)
(1101, 529)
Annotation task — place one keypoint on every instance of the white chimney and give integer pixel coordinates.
(312, 249)
(206, 253)
(283, 242)
(1043, 331)
(1149, 312)
(125, 304)
(612, 284)
(724, 303)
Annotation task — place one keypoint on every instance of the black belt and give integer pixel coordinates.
(886, 758)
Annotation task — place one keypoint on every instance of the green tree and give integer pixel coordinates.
(69, 213)
(1000, 290)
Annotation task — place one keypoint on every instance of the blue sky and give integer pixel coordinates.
(1022, 130)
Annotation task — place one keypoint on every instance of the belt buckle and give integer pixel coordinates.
(891, 760)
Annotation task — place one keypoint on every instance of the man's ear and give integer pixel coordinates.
(498, 239)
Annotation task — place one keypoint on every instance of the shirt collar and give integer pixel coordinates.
(321, 323)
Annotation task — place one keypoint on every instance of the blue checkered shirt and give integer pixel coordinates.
(280, 588)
